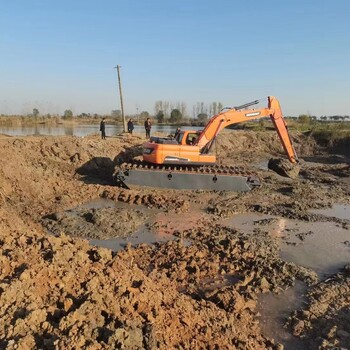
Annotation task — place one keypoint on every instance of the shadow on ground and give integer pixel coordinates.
(98, 170)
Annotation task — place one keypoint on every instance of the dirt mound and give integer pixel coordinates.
(246, 147)
(198, 292)
(88, 298)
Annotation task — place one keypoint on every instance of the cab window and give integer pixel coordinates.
(191, 138)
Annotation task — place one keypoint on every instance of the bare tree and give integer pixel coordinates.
(166, 108)
(183, 108)
(158, 106)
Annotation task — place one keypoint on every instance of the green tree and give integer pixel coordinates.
(116, 113)
(160, 117)
(144, 115)
(68, 114)
(202, 118)
(175, 116)
(304, 119)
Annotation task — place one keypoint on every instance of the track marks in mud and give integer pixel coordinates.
(150, 199)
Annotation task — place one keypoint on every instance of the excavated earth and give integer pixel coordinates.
(201, 290)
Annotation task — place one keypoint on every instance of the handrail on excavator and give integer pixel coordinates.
(247, 105)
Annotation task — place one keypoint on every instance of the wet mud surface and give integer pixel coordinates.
(103, 223)
(86, 265)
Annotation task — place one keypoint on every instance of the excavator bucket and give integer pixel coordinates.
(220, 178)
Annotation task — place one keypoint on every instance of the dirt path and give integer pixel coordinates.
(200, 291)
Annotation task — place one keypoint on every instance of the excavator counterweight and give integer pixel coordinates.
(187, 161)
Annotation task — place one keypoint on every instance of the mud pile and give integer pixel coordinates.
(200, 291)
(69, 294)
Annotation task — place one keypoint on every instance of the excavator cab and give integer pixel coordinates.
(187, 137)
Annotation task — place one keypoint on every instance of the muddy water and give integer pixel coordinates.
(321, 246)
(275, 309)
(340, 211)
(146, 233)
(143, 235)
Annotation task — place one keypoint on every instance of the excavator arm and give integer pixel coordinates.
(238, 115)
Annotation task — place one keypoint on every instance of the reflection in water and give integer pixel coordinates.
(36, 132)
(69, 131)
(280, 227)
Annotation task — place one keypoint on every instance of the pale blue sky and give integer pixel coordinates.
(56, 55)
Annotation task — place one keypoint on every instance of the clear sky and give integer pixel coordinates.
(57, 55)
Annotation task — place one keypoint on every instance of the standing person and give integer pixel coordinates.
(177, 132)
(103, 128)
(130, 126)
(148, 126)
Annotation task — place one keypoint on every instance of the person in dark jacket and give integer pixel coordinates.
(130, 126)
(148, 126)
(177, 133)
(103, 128)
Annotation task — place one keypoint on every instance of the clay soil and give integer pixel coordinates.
(200, 291)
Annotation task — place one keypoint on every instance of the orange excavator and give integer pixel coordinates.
(187, 161)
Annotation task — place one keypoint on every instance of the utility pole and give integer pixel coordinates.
(121, 97)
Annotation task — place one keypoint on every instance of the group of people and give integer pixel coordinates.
(148, 126)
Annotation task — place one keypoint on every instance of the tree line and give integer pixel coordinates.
(175, 113)
(165, 111)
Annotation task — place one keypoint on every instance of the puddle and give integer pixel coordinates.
(245, 222)
(321, 246)
(157, 228)
(340, 211)
(165, 222)
(143, 235)
(275, 310)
